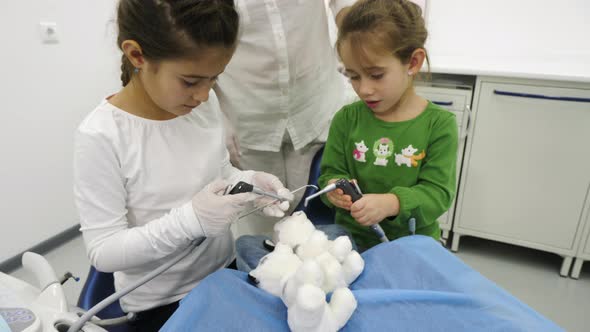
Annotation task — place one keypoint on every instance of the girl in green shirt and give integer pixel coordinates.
(400, 148)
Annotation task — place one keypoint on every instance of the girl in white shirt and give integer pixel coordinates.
(150, 163)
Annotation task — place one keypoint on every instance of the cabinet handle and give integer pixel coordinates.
(465, 122)
(535, 96)
(443, 103)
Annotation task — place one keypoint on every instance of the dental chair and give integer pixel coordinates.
(98, 286)
(316, 210)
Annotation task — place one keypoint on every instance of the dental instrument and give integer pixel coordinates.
(352, 189)
(117, 295)
(243, 187)
(412, 225)
(276, 200)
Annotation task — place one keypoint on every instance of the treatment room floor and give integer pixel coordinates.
(530, 275)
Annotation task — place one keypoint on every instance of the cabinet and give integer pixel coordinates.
(457, 99)
(583, 252)
(526, 172)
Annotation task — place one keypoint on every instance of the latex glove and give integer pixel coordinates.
(272, 184)
(215, 211)
(231, 142)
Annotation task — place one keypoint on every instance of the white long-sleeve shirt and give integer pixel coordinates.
(133, 183)
(283, 76)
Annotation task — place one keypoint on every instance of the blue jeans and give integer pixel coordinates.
(250, 248)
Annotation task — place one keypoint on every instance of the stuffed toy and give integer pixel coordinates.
(303, 268)
(341, 264)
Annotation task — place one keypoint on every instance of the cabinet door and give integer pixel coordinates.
(584, 250)
(527, 173)
(455, 101)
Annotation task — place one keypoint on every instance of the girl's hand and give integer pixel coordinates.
(338, 198)
(373, 208)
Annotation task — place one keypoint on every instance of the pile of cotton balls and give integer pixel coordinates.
(303, 268)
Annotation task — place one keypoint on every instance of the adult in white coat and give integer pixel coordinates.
(281, 89)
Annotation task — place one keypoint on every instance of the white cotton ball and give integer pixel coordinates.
(304, 277)
(310, 298)
(293, 230)
(310, 272)
(309, 309)
(311, 313)
(316, 244)
(333, 273)
(352, 266)
(343, 305)
(274, 269)
(340, 247)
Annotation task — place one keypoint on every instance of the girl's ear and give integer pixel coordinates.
(133, 52)
(416, 61)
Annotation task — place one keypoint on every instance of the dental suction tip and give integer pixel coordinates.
(310, 197)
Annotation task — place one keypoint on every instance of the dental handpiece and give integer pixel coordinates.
(243, 187)
(276, 201)
(352, 189)
(376, 228)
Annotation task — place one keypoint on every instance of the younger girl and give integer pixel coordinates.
(147, 158)
(400, 148)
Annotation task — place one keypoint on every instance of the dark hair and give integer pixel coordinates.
(397, 26)
(167, 29)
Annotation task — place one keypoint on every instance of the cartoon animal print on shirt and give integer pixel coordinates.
(359, 152)
(407, 157)
(383, 149)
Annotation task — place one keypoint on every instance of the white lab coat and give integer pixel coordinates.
(283, 76)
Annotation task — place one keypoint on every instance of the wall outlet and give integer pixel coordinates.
(48, 31)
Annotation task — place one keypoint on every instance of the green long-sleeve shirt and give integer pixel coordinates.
(414, 159)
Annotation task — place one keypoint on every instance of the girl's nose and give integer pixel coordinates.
(366, 88)
(202, 93)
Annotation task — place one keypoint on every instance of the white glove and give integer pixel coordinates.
(272, 184)
(215, 211)
(231, 142)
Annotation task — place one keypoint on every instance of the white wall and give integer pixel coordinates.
(45, 90)
(519, 38)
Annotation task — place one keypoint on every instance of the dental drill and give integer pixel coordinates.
(352, 189)
(277, 200)
(243, 187)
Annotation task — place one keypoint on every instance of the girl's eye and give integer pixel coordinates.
(197, 82)
(353, 78)
(377, 76)
(189, 84)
